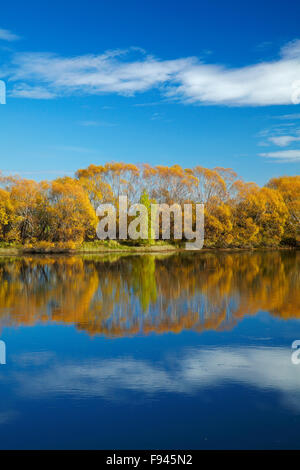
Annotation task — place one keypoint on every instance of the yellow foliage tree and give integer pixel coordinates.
(289, 188)
(72, 215)
(260, 217)
(6, 214)
(236, 213)
(92, 180)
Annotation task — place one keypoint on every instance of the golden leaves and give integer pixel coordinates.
(236, 213)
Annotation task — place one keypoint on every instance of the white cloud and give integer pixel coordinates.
(265, 83)
(283, 140)
(289, 116)
(185, 79)
(291, 50)
(91, 74)
(34, 92)
(282, 137)
(283, 155)
(7, 35)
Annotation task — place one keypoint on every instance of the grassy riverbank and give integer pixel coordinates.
(98, 246)
(113, 246)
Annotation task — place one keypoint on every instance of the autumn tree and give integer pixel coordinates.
(259, 218)
(72, 215)
(93, 181)
(123, 180)
(218, 226)
(210, 187)
(28, 202)
(6, 214)
(237, 213)
(289, 188)
(168, 184)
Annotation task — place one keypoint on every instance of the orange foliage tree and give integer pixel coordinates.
(236, 213)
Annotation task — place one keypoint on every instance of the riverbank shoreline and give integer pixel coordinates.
(126, 249)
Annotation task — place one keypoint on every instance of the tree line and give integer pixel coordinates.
(237, 213)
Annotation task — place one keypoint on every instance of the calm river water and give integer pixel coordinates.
(181, 351)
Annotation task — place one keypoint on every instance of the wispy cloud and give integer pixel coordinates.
(282, 135)
(151, 103)
(23, 90)
(265, 83)
(156, 117)
(264, 45)
(283, 140)
(7, 35)
(185, 79)
(283, 155)
(96, 124)
(91, 74)
(289, 116)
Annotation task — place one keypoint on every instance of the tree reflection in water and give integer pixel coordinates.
(129, 295)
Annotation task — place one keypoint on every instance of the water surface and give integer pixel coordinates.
(182, 351)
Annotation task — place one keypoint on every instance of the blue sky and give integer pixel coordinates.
(209, 83)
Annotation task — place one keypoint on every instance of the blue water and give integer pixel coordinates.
(175, 352)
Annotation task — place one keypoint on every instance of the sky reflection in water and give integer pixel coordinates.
(169, 351)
